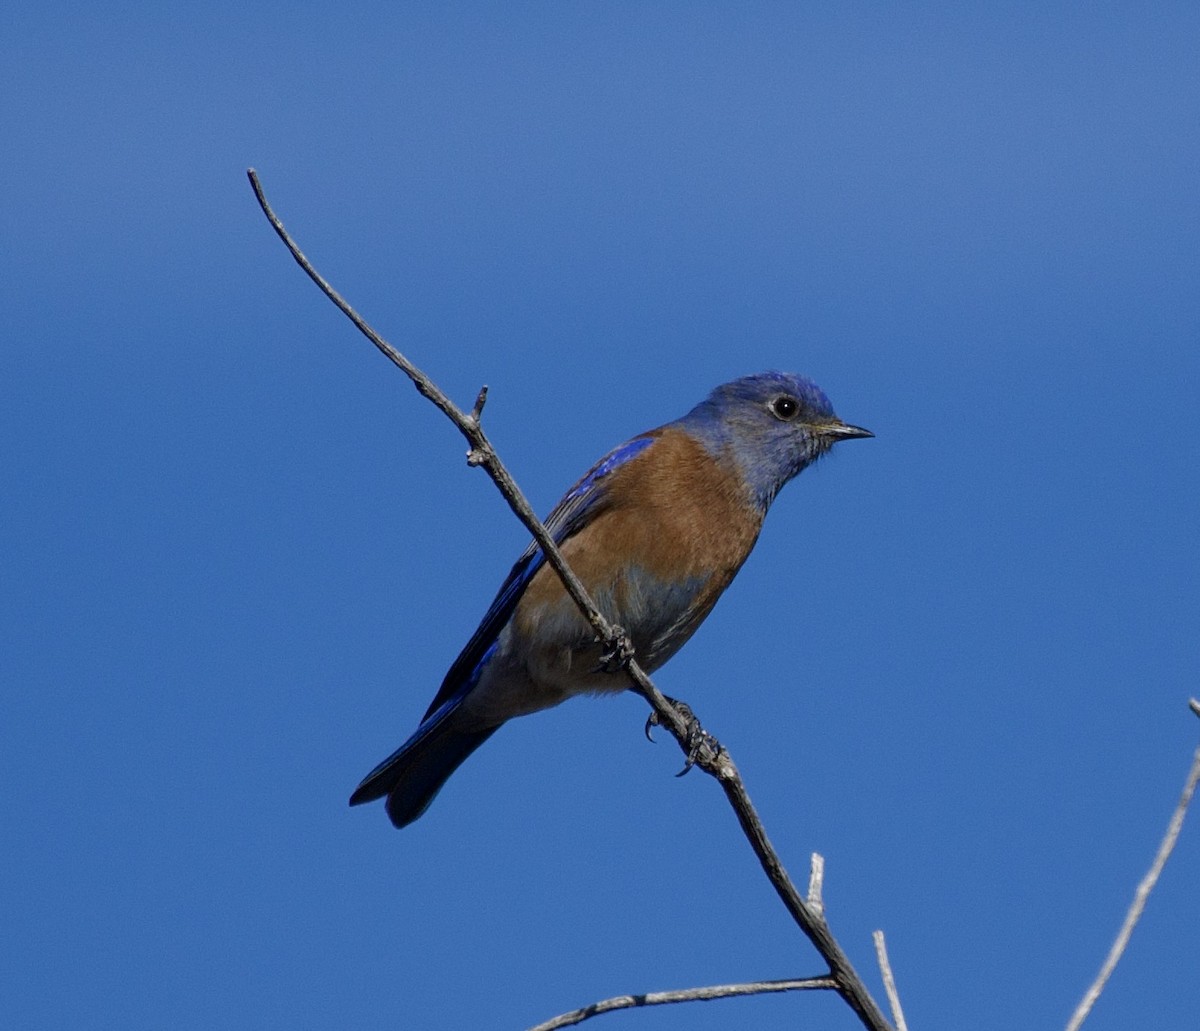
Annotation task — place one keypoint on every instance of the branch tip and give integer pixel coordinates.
(816, 881)
(480, 401)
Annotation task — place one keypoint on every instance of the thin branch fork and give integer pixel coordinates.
(700, 748)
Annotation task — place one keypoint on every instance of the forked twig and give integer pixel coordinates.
(1143, 891)
(709, 756)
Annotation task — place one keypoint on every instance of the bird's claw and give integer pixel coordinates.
(697, 736)
(617, 657)
(697, 739)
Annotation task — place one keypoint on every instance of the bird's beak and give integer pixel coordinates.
(842, 431)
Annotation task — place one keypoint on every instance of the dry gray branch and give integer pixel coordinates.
(717, 991)
(889, 982)
(1143, 891)
(709, 755)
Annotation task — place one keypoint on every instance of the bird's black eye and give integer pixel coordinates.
(785, 408)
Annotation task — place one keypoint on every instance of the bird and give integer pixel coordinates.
(656, 530)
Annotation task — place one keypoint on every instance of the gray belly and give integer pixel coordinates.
(556, 656)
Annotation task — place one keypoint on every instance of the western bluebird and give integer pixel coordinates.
(656, 530)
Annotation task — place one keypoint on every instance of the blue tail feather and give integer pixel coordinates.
(412, 776)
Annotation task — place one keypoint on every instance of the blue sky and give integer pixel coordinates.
(240, 551)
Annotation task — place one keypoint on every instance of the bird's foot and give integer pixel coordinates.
(685, 713)
(618, 656)
(697, 736)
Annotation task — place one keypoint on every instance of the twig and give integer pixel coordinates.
(717, 991)
(469, 425)
(1143, 891)
(709, 756)
(889, 982)
(816, 883)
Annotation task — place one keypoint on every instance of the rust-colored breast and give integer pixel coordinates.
(675, 516)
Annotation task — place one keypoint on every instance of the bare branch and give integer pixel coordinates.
(889, 982)
(701, 749)
(1143, 892)
(718, 991)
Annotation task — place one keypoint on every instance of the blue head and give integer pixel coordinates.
(770, 426)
